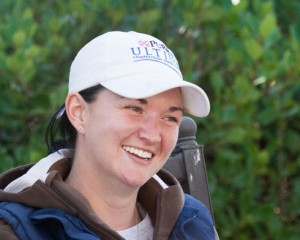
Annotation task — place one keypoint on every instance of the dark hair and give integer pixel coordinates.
(60, 132)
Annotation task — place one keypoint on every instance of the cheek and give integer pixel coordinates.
(170, 141)
(114, 129)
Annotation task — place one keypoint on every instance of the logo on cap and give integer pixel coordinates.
(157, 52)
(144, 43)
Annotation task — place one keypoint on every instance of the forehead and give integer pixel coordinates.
(174, 93)
(172, 97)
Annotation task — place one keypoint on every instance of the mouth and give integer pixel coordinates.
(138, 152)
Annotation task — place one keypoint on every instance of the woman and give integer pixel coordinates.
(119, 124)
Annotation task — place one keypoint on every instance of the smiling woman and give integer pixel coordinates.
(119, 125)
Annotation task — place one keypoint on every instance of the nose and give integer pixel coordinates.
(150, 129)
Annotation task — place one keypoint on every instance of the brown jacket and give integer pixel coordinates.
(162, 205)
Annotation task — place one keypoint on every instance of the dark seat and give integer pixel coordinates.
(187, 163)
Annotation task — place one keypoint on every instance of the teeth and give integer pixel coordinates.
(138, 152)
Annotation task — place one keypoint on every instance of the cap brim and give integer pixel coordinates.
(195, 100)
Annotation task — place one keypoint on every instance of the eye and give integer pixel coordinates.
(172, 120)
(135, 109)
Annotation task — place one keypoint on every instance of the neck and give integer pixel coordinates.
(114, 205)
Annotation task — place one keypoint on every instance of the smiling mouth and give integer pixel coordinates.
(138, 152)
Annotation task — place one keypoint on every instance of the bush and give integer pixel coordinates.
(246, 57)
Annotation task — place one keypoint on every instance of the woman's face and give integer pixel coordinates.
(129, 140)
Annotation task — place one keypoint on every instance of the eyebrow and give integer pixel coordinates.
(171, 109)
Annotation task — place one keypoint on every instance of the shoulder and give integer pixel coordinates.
(195, 206)
(48, 223)
(14, 220)
(14, 212)
(194, 221)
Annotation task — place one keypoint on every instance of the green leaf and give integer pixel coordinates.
(236, 135)
(19, 38)
(254, 49)
(268, 25)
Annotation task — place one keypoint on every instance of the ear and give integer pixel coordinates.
(75, 107)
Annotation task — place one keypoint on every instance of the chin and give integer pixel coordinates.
(135, 180)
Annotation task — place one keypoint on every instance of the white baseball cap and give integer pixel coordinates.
(134, 65)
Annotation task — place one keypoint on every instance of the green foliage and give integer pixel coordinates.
(246, 57)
